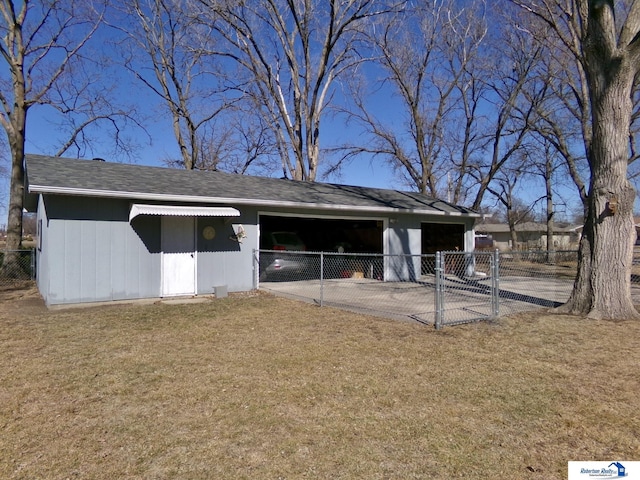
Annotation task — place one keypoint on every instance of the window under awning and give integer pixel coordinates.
(181, 211)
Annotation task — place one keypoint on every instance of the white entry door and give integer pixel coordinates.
(178, 256)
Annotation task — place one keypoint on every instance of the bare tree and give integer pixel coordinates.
(562, 118)
(425, 52)
(85, 110)
(291, 52)
(239, 142)
(504, 188)
(250, 145)
(603, 38)
(548, 172)
(512, 97)
(41, 46)
(170, 53)
(544, 161)
(461, 97)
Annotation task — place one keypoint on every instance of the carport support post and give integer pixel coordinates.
(321, 278)
(438, 295)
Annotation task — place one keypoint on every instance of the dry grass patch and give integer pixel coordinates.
(263, 387)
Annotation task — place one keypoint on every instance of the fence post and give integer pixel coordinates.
(256, 268)
(495, 284)
(438, 292)
(321, 279)
(33, 264)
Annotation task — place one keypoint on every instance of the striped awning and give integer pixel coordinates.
(181, 211)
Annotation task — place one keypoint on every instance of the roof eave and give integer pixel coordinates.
(238, 201)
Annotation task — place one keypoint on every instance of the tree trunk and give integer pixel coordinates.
(603, 286)
(550, 212)
(512, 229)
(11, 260)
(14, 226)
(16, 129)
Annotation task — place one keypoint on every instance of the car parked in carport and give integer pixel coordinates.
(274, 263)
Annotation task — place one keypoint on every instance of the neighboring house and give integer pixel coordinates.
(530, 236)
(110, 231)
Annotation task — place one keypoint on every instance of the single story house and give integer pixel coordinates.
(529, 235)
(111, 231)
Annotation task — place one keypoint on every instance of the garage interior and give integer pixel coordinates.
(359, 236)
(328, 234)
(440, 237)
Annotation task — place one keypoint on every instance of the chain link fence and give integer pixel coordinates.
(392, 286)
(445, 288)
(17, 268)
(480, 285)
(529, 280)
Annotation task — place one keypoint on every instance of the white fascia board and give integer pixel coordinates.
(238, 201)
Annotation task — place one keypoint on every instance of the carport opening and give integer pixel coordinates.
(327, 235)
(440, 237)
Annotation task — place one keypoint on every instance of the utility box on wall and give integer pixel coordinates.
(220, 291)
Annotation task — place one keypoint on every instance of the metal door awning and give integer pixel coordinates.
(181, 211)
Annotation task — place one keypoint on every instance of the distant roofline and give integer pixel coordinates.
(523, 227)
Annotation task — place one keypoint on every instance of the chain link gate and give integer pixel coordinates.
(443, 289)
(466, 287)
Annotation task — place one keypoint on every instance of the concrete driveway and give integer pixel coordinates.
(464, 300)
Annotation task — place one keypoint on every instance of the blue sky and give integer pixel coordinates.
(43, 138)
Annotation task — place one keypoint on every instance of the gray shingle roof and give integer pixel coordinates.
(106, 179)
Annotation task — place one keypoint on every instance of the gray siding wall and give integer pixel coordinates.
(469, 236)
(404, 238)
(223, 261)
(404, 243)
(91, 253)
(43, 276)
